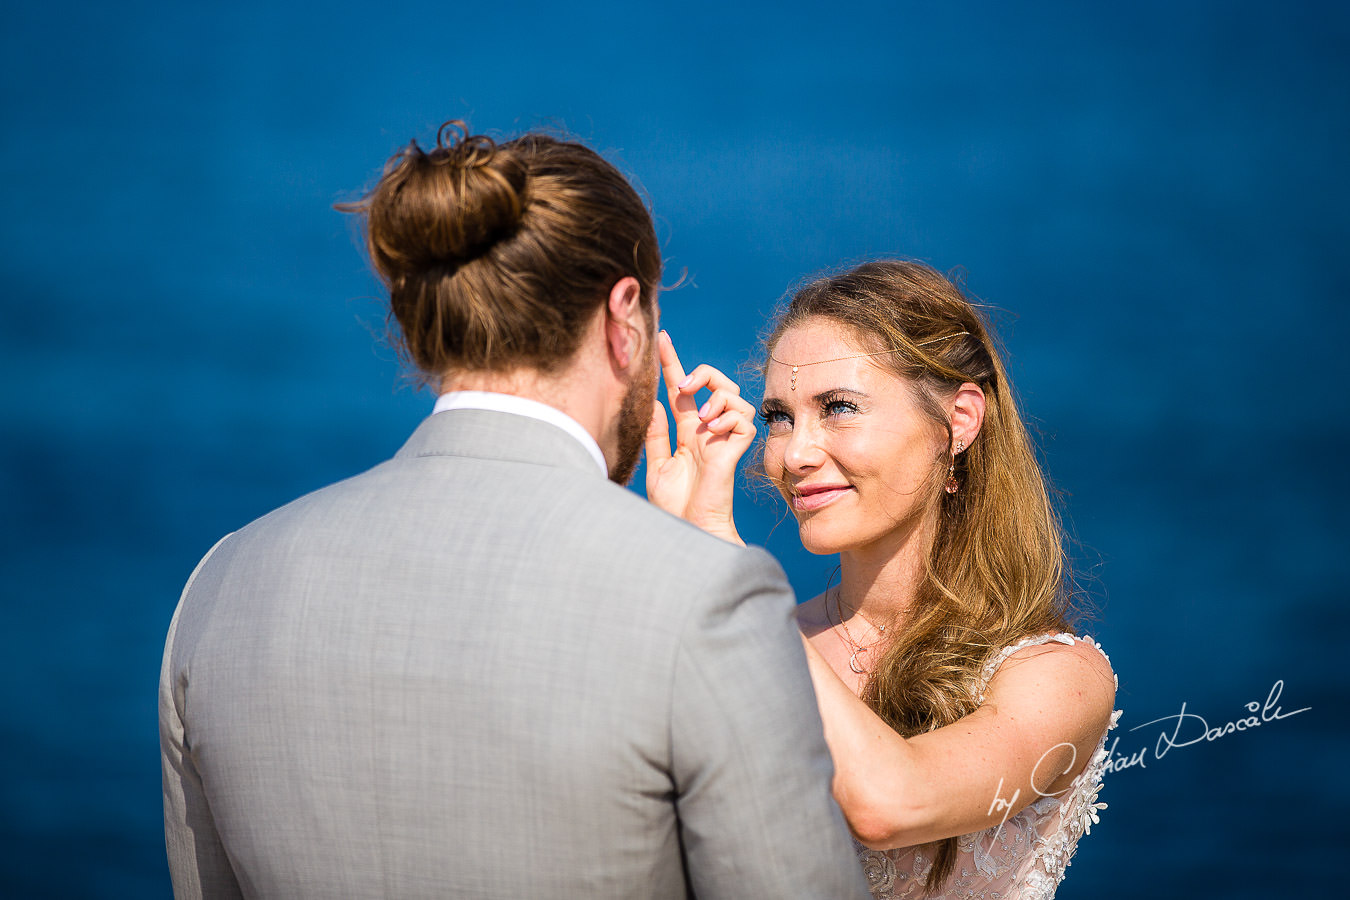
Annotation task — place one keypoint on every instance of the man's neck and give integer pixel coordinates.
(566, 392)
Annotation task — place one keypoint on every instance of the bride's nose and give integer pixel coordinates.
(802, 451)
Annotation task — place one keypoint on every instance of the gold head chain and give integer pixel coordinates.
(857, 355)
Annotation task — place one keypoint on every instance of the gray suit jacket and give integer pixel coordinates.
(482, 670)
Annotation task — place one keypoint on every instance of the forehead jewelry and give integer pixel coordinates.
(856, 356)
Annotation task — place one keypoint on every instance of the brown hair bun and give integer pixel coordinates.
(445, 208)
(498, 255)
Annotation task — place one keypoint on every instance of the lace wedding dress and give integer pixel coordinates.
(1025, 858)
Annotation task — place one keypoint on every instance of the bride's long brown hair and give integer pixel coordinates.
(996, 571)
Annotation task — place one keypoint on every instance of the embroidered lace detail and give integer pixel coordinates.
(1024, 858)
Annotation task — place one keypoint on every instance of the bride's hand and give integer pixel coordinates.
(697, 481)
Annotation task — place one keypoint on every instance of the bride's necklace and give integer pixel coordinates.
(854, 647)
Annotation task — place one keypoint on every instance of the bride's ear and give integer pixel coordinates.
(967, 414)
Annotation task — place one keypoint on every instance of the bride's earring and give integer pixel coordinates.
(952, 485)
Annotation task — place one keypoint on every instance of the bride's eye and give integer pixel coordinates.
(776, 419)
(834, 407)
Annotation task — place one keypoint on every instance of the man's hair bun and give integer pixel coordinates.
(497, 255)
(446, 208)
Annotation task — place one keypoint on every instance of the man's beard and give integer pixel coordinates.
(635, 414)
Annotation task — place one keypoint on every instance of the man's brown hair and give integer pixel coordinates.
(496, 256)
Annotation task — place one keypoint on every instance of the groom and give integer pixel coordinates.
(482, 668)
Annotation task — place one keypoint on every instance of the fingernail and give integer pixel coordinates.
(685, 383)
(704, 410)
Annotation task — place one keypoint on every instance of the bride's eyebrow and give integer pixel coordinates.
(839, 392)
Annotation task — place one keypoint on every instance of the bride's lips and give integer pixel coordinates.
(814, 496)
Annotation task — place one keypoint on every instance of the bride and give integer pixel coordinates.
(966, 720)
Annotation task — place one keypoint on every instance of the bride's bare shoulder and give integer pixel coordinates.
(811, 617)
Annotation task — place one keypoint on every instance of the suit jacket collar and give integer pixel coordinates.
(488, 434)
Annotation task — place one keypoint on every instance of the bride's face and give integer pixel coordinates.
(853, 455)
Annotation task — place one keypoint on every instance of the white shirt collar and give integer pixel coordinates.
(521, 406)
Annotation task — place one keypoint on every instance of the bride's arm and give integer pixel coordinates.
(1044, 714)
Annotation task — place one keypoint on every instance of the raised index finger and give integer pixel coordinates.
(673, 373)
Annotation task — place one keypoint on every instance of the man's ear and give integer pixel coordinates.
(967, 414)
(625, 322)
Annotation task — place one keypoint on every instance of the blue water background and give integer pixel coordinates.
(1154, 194)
